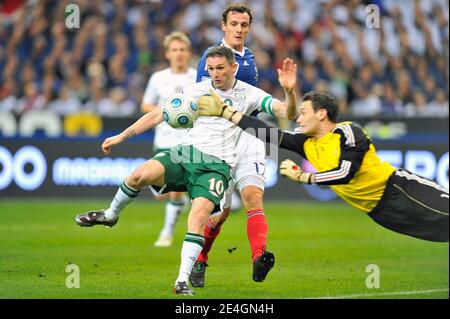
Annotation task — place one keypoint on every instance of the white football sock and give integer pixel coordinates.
(123, 197)
(192, 246)
(173, 210)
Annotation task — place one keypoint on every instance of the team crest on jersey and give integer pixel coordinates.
(240, 96)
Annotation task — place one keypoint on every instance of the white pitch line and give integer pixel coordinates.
(395, 293)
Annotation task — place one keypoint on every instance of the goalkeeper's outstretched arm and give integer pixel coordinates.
(212, 105)
(269, 134)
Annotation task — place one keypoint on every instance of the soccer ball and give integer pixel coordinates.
(180, 111)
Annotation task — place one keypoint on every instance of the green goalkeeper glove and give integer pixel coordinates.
(214, 106)
(294, 172)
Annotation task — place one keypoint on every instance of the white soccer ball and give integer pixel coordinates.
(180, 111)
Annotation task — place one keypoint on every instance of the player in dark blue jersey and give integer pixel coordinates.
(246, 72)
(236, 21)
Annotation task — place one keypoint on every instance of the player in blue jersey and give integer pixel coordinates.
(236, 20)
(248, 175)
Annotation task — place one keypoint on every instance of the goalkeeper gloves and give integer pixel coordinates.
(294, 172)
(214, 106)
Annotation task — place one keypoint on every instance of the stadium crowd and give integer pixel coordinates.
(398, 67)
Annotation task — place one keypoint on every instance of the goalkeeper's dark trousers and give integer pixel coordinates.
(414, 206)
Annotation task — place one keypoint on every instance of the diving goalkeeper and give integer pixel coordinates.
(346, 160)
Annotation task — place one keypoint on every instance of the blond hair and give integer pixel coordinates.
(176, 35)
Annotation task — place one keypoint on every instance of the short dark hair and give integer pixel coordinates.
(323, 100)
(237, 7)
(221, 50)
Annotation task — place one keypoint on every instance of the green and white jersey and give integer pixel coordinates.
(216, 136)
(160, 87)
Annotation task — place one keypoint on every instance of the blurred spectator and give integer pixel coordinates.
(362, 83)
(266, 71)
(403, 87)
(368, 103)
(50, 86)
(309, 78)
(420, 108)
(117, 104)
(8, 96)
(119, 44)
(390, 103)
(67, 102)
(439, 105)
(429, 88)
(32, 100)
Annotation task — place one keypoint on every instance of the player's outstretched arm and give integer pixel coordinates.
(148, 107)
(145, 123)
(214, 106)
(287, 76)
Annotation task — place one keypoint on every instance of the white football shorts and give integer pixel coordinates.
(249, 170)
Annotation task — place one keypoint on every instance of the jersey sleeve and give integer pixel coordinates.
(151, 95)
(354, 144)
(263, 102)
(293, 141)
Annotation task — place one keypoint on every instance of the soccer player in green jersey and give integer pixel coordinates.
(202, 165)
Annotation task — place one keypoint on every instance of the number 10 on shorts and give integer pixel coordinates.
(216, 186)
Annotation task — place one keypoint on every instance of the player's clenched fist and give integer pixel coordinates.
(214, 106)
(111, 141)
(294, 172)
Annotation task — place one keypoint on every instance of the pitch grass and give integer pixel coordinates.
(321, 250)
